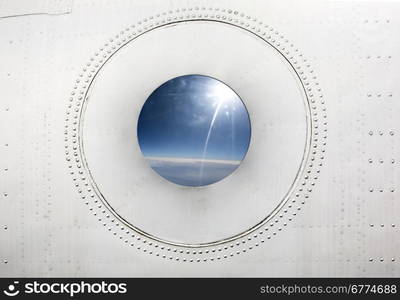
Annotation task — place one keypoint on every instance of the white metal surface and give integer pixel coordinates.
(317, 194)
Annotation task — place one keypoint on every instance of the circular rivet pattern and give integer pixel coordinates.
(314, 158)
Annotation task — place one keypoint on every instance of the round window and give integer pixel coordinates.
(194, 130)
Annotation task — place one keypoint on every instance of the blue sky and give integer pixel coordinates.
(194, 116)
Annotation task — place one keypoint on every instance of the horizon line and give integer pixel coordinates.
(184, 159)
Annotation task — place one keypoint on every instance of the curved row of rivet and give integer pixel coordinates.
(253, 239)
